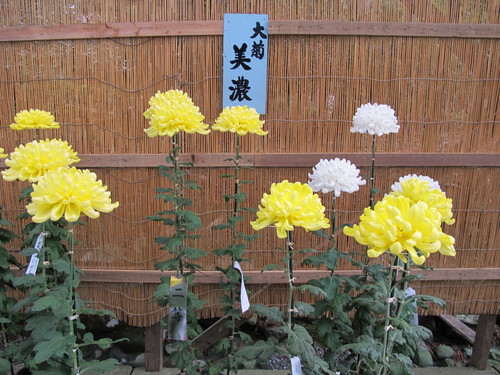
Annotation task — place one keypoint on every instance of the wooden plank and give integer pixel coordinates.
(110, 30)
(381, 160)
(482, 342)
(289, 160)
(214, 333)
(154, 348)
(409, 29)
(276, 277)
(460, 328)
(276, 27)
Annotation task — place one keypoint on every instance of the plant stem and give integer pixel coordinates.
(372, 193)
(72, 301)
(236, 213)
(289, 269)
(177, 193)
(333, 236)
(387, 328)
(372, 172)
(44, 271)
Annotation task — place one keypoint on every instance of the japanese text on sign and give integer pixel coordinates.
(245, 60)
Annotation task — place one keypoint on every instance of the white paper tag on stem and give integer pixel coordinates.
(245, 303)
(177, 309)
(31, 270)
(296, 366)
(33, 265)
(39, 241)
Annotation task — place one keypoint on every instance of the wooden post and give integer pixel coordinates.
(154, 347)
(482, 342)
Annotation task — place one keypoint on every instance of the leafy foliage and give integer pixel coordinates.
(183, 223)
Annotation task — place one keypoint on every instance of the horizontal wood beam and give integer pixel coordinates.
(276, 27)
(289, 160)
(276, 277)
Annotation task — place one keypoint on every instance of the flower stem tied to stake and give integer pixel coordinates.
(73, 316)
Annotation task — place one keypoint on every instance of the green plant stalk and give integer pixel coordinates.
(44, 270)
(333, 237)
(177, 193)
(372, 193)
(72, 301)
(289, 271)
(236, 213)
(372, 172)
(386, 348)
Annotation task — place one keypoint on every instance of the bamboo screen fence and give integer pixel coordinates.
(94, 64)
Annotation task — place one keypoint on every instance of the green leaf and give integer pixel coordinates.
(193, 253)
(271, 267)
(303, 308)
(248, 237)
(272, 313)
(246, 338)
(40, 325)
(312, 289)
(169, 242)
(221, 226)
(191, 220)
(261, 349)
(55, 346)
(4, 366)
(49, 302)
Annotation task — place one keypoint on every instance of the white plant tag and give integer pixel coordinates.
(39, 241)
(296, 366)
(31, 270)
(177, 309)
(245, 303)
(33, 265)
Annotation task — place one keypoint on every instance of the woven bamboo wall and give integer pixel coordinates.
(445, 90)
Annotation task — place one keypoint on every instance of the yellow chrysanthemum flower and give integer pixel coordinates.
(397, 225)
(240, 120)
(34, 159)
(289, 205)
(69, 192)
(425, 190)
(2, 155)
(34, 119)
(171, 112)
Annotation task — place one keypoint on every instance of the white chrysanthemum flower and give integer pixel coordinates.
(432, 183)
(335, 175)
(375, 119)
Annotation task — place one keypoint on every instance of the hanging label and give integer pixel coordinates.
(296, 366)
(33, 265)
(245, 303)
(177, 309)
(31, 270)
(244, 76)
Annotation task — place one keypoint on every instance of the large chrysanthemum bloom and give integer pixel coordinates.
(2, 153)
(34, 159)
(397, 225)
(34, 119)
(335, 175)
(69, 192)
(290, 205)
(240, 120)
(171, 112)
(375, 119)
(425, 189)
